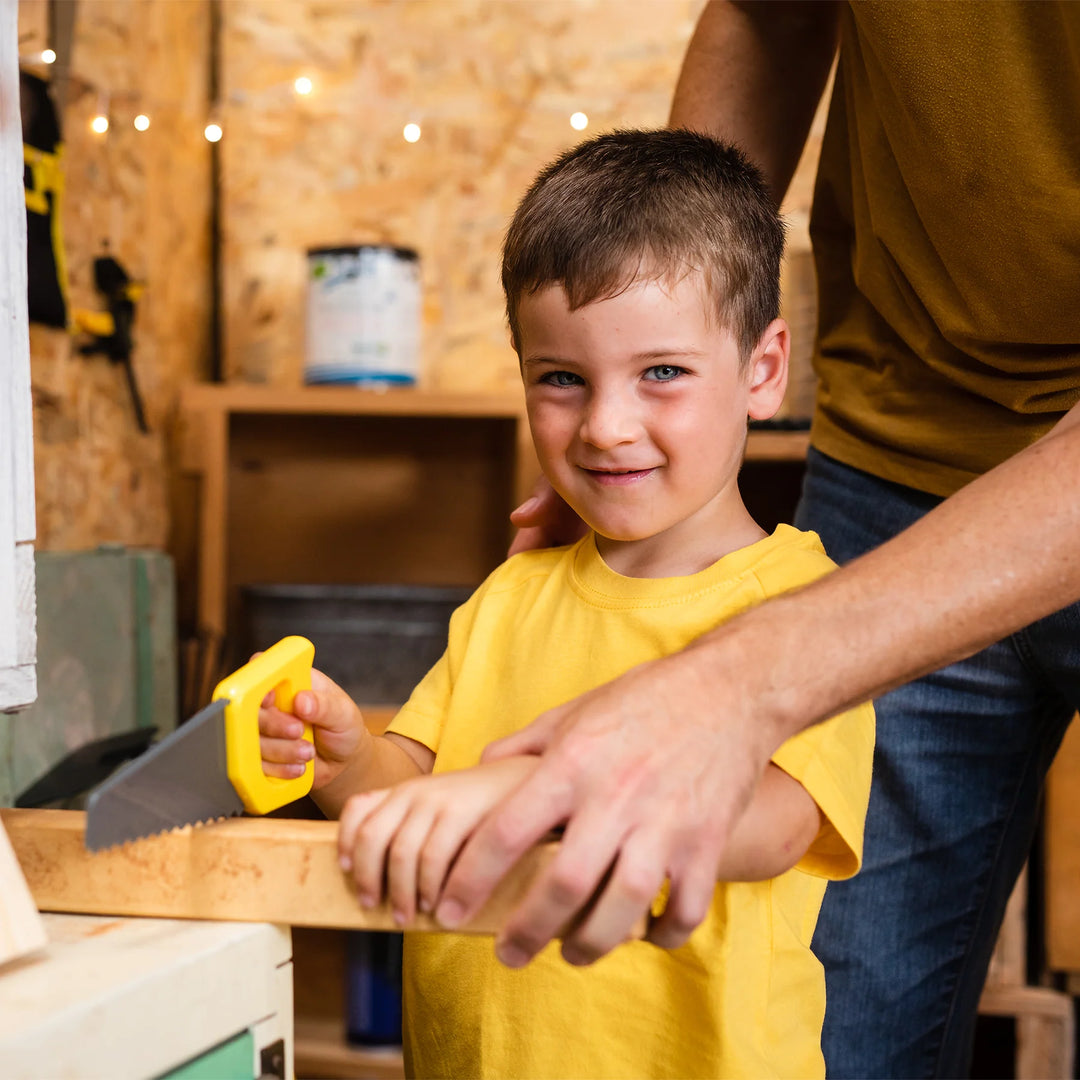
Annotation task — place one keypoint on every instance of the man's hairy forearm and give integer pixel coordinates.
(991, 559)
(753, 75)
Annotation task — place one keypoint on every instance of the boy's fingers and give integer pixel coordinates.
(403, 860)
(275, 724)
(364, 836)
(286, 751)
(282, 772)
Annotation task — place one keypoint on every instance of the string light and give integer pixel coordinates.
(212, 132)
(48, 56)
(100, 124)
(579, 121)
(141, 122)
(411, 132)
(303, 85)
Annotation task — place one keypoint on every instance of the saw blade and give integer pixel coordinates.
(182, 780)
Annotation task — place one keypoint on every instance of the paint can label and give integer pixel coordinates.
(363, 316)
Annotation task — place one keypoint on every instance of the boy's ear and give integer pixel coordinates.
(768, 371)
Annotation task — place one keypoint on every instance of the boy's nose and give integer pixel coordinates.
(609, 421)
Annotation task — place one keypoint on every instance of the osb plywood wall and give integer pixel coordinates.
(493, 85)
(144, 198)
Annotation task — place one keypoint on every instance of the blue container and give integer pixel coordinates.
(373, 988)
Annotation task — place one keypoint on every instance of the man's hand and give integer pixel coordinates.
(410, 834)
(649, 774)
(545, 520)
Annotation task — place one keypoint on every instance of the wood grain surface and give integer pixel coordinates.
(247, 869)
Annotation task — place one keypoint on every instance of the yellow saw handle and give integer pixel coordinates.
(284, 668)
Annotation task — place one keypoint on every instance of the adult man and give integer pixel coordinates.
(947, 237)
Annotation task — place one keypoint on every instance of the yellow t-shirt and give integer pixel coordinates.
(946, 232)
(745, 996)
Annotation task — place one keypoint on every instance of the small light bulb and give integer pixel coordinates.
(303, 85)
(411, 132)
(48, 56)
(100, 124)
(212, 132)
(141, 122)
(579, 121)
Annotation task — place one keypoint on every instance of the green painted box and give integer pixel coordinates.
(106, 658)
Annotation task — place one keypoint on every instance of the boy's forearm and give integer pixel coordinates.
(753, 75)
(382, 763)
(774, 833)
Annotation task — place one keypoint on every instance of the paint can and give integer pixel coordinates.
(363, 315)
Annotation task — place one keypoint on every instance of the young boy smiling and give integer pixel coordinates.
(641, 275)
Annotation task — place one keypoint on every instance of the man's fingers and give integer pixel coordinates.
(534, 739)
(692, 887)
(627, 896)
(497, 844)
(588, 849)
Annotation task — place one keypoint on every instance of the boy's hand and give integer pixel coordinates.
(545, 520)
(410, 834)
(338, 728)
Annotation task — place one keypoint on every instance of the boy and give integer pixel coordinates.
(641, 275)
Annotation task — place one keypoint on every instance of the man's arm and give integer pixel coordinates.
(651, 772)
(753, 75)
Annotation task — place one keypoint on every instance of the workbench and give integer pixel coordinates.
(113, 997)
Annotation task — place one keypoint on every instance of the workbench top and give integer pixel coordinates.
(131, 997)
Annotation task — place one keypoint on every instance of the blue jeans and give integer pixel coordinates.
(958, 769)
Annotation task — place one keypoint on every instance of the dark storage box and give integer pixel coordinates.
(376, 641)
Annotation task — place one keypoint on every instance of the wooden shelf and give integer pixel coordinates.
(321, 1050)
(345, 401)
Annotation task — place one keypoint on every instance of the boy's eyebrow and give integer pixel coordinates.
(639, 357)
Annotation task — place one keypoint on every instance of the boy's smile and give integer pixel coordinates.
(638, 407)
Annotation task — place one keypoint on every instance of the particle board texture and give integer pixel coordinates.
(143, 198)
(249, 869)
(492, 86)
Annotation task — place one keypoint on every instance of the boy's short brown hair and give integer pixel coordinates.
(657, 203)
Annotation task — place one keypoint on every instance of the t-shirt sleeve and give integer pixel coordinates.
(833, 762)
(422, 717)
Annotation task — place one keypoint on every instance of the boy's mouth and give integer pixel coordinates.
(615, 477)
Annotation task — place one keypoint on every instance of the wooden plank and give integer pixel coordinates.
(1062, 859)
(21, 929)
(248, 869)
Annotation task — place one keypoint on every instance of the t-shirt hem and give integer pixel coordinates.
(930, 477)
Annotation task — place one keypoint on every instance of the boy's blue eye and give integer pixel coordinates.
(664, 372)
(561, 378)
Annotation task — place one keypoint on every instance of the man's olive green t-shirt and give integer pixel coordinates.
(946, 230)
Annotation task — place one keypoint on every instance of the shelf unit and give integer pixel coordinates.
(345, 486)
